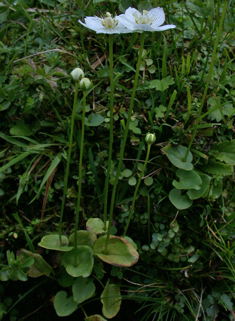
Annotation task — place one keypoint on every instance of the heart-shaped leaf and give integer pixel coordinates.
(181, 202)
(83, 289)
(85, 261)
(187, 180)
(119, 252)
(83, 238)
(195, 194)
(64, 306)
(176, 155)
(111, 299)
(52, 242)
(40, 266)
(96, 225)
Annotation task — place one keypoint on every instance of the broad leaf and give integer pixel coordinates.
(52, 242)
(20, 130)
(187, 180)
(96, 225)
(94, 120)
(181, 202)
(226, 152)
(111, 299)
(176, 156)
(40, 266)
(119, 251)
(85, 261)
(195, 194)
(217, 168)
(83, 238)
(83, 289)
(64, 306)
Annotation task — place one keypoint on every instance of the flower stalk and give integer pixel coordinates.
(150, 139)
(106, 187)
(68, 161)
(124, 139)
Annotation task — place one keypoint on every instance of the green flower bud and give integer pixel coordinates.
(77, 74)
(85, 84)
(150, 138)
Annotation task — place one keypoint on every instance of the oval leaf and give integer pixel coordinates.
(64, 306)
(96, 225)
(195, 194)
(83, 289)
(111, 299)
(176, 156)
(119, 253)
(85, 261)
(181, 202)
(40, 266)
(52, 242)
(83, 238)
(187, 180)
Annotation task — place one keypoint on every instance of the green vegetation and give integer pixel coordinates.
(117, 193)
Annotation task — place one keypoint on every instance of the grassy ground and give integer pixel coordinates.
(183, 216)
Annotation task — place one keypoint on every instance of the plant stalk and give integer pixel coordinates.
(124, 139)
(106, 187)
(79, 177)
(208, 80)
(136, 190)
(68, 161)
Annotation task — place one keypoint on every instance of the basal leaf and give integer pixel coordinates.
(187, 180)
(83, 289)
(195, 194)
(217, 168)
(52, 242)
(40, 266)
(226, 152)
(64, 306)
(119, 252)
(176, 156)
(181, 202)
(85, 261)
(96, 225)
(111, 299)
(83, 238)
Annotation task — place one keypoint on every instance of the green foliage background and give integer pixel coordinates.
(183, 223)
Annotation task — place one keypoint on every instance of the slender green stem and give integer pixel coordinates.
(79, 178)
(124, 139)
(106, 187)
(68, 160)
(149, 239)
(136, 189)
(208, 80)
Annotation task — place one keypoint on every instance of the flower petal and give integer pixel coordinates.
(158, 15)
(162, 28)
(130, 14)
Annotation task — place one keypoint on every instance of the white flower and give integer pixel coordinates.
(105, 25)
(77, 74)
(85, 84)
(145, 21)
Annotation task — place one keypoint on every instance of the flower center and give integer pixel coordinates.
(143, 18)
(109, 22)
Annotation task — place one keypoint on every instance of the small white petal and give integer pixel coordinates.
(158, 15)
(166, 27)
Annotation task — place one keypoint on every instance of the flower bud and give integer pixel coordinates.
(77, 74)
(85, 84)
(150, 138)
